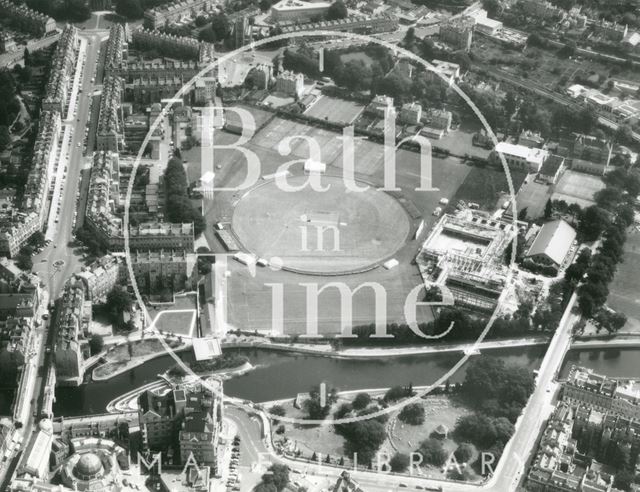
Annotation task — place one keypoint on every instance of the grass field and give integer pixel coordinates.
(250, 303)
(179, 323)
(533, 196)
(487, 187)
(356, 55)
(624, 293)
(366, 227)
(335, 110)
(580, 188)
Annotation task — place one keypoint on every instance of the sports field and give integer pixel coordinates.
(335, 110)
(328, 231)
(575, 187)
(379, 219)
(624, 293)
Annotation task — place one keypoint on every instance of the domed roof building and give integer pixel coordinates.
(94, 466)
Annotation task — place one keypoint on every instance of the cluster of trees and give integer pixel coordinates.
(134, 9)
(412, 414)
(118, 301)
(465, 327)
(96, 344)
(178, 207)
(91, 241)
(219, 29)
(24, 259)
(275, 480)
(433, 452)
(485, 432)
(313, 405)
(609, 219)
(496, 389)
(71, 10)
(226, 361)
(363, 437)
(396, 393)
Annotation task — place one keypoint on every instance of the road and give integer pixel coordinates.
(59, 261)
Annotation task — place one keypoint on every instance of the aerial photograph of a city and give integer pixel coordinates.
(320, 245)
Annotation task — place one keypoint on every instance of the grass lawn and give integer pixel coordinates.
(336, 110)
(179, 323)
(624, 293)
(118, 358)
(486, 186)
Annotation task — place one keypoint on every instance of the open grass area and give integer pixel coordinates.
(580, 188)
(356, 55)
(335, 110)
(487, 187)
(249, 295)
(179, 323)
(624, 291)
(119, 359)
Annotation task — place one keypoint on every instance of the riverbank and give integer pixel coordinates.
(116, 362)
(326, 350)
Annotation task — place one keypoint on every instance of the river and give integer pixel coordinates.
(282, 375)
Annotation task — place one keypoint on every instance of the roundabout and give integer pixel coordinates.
(329, 232)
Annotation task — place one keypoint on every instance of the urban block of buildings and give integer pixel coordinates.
(27, 19)
(594, 423)
(183, 11)
(192, 414)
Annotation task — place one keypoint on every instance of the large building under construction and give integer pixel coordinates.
(465, 253)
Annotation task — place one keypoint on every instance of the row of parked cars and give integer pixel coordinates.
(233, 483)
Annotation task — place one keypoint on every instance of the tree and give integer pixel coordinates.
(624, 134)
(338, 10)
(410, 36)
(593, 220)
(363, 437)
(412, 414)
(220, 26)
(37, 239)
(24, 262)
(277, 475)
(278, 410)
(96, 344)
(201, 20)
(361, 401)
(433, 452)
(118, 301)
(623, 479)
(492, 7)
(265, 487)
(464, 452)
(130, 9)
(568, 49)
(395, 393)
(476, 428)
(208, 35)
(264, 5)
(5, 137)
(399, 462)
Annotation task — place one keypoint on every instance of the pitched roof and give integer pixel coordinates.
(553, 240)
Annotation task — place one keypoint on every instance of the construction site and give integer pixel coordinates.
(464, 252)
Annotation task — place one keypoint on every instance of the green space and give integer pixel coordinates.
(225, 361)
(130, 354)
(485, 186)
